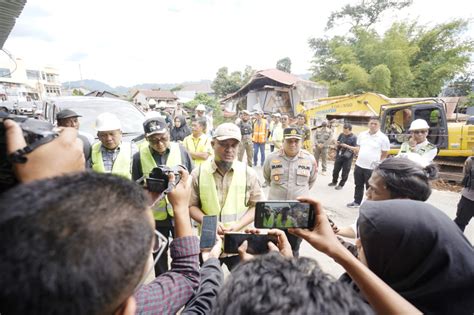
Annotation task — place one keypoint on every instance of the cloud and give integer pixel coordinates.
(34, 11)
(77, 56)
(27, 30)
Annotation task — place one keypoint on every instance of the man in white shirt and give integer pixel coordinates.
(418, 144)
(372, 147)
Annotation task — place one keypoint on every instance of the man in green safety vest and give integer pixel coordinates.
(225, 187)
(111, 154)
(198, 143)
(159, 150)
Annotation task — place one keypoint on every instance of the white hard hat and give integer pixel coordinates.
(107, 122)
(419, 124)
(201, 107)
(152, 102)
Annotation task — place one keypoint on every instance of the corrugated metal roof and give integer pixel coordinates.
(276, 75)
(9, 11)
(279, 76)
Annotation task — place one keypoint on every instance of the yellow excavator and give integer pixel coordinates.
(449, 131)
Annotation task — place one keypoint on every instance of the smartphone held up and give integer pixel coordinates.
(284, 214)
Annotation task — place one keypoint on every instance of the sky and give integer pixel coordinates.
(172, 41)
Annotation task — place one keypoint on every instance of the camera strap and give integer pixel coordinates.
(19, 155)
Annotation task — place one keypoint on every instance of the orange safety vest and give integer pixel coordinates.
(259, 132)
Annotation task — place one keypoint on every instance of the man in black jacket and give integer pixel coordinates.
(344, 156)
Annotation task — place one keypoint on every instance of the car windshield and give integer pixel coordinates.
(130, 117)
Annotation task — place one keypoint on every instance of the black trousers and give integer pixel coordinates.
(165, 228)
(465, 212)
(345, 165)
(295, 243)
(361, 178)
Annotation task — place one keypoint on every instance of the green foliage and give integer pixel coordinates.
(365, 13)
(284, 64)
(357, 79)
(226, 83)
(470, 100)
(406, 61)
(380, 79)
(76, 92)
(177, 88)
(209, 101)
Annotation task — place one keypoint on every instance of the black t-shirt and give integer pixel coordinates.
(350, 139)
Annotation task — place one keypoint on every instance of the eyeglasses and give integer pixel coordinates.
(419, 131)
(159, 245)
(157, 140)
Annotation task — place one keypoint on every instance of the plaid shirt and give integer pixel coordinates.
(173, 289)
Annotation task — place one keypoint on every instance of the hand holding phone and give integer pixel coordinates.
(208, 231)
(284, 214)
(322, 237)
(257, 243)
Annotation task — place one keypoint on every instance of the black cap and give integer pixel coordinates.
(155, 125)
(292, 133)
(67, 113)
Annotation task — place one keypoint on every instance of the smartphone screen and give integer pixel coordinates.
(284, 214)
(208, 231)
(257, 243)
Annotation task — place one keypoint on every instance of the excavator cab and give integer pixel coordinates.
(396, 119)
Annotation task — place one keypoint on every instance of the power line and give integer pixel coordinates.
(12, 59)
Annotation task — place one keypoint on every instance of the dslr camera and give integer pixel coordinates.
(35, 132)
(158, 181)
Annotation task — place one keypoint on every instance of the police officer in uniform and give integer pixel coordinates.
(305, 131)
(111, 154)
(290, 172)
(159, 150)
(322, 139)
(246, 145)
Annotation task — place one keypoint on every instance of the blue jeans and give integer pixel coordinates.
(256, 147)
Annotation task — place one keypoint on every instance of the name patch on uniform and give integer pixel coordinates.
(304, 167)
(277, 166)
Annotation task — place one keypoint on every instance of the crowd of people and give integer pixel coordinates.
(83, 233)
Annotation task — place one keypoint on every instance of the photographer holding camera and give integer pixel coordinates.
(159, 150)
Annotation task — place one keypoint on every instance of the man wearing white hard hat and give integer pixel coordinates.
(111, 155)
(225, 187)
(418, 143)
(201, 113)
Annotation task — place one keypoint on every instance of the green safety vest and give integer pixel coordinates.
(288, 222)
(268, 223)
(121, 165)
(201, 147)
(234, 205)
(163, 207)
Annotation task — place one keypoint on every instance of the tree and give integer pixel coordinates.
(366, 13)
(211, 102)
(248, 74)
(408, 60)
(224, 83)
(380, 79)
(76, 92)
(284, 64)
